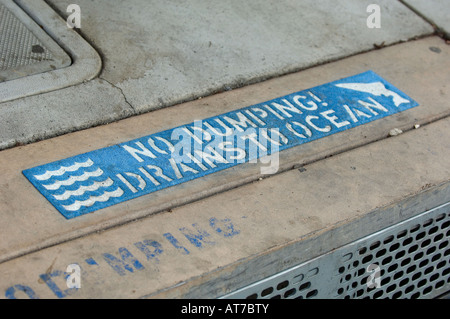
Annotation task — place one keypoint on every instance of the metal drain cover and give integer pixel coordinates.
(407, 260)
(25, 49)
(39, 53)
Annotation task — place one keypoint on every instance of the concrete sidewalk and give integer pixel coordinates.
(214, 246)
(168, 64)
(156, 54)
(435, 12)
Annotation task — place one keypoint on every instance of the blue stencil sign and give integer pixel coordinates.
(104, 177)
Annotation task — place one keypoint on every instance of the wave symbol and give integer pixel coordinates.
(63, 170)
(94, 199)
(73, 179)
(80, 191)
(77, 173)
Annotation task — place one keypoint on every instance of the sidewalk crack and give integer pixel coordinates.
(121, 92)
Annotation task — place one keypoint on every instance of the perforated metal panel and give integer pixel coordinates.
(407, 260)
(18, 46)
(25, 49)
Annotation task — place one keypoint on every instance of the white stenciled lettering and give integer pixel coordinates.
(127, 183)
(174, 166)
(240, 153)
(169, 145)
(273, 112)
(361, 113)
(159, 172)
(227, 130)
(253, 116)
(312, 105)
(333, 118)
(305, 129)
(241, 122)
(196, 138)
(259, 112)
(185, 144)
(211, 157)
(141, 183)
(141, 151)
(373, 105)
(196, 161)
(350, 113)
(254, 134)
(279, 136)
(150, 177)
(283, 108)
(252, 137)
(200, 132)
(309, 119)
(317, 99)
(186, 168)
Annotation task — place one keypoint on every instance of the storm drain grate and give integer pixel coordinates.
(18, 46)
(407, 260)
(25, 48)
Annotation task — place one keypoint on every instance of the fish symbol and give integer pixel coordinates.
(375, 88)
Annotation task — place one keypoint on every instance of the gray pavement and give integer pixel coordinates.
(435, 11)
(157, 54)
(149, 66)
(32, 225)
(241, 236)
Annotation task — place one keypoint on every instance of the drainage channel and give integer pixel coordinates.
(410, 259)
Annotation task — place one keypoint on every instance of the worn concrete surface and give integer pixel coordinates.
(157, 54)
(218, 236)
(160, 53)
(200, 238)
(28, 222)
(434, 11)
(74, 108)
